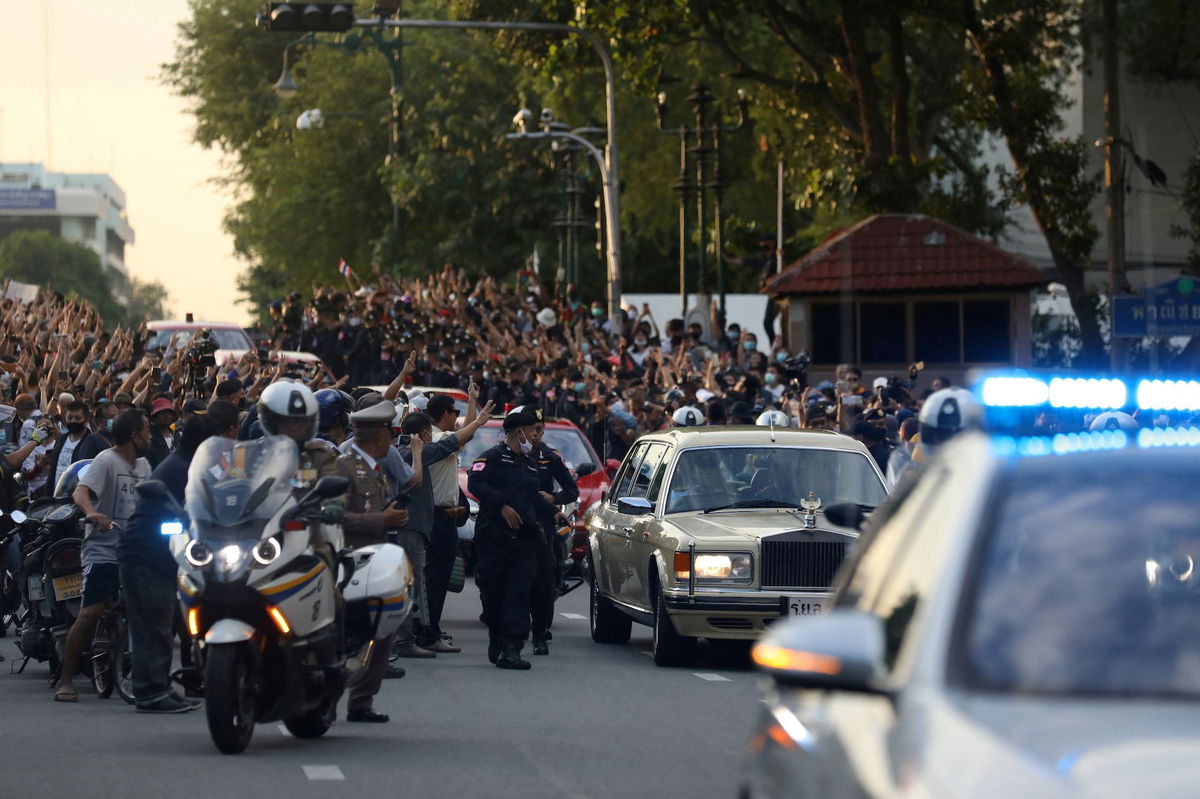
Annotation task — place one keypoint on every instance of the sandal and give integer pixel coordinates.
(66, 695)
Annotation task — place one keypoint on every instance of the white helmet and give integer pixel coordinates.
(773, 418)
(947, 412)
(288, 408)
(687, 416)
(1114, 420)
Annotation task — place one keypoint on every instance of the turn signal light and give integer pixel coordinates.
(193, 621)
(280, 621)
(683, 566)
(783, 659)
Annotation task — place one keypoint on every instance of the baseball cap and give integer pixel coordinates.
(161, 404)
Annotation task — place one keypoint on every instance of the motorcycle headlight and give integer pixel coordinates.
(173, 527)
(267, 551)
(230, 557)
(198, 553)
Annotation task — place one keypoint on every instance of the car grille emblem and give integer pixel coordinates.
(810, 506)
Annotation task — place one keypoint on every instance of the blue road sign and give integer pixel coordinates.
(1169, 309)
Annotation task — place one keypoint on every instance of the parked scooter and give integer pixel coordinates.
(259, 594)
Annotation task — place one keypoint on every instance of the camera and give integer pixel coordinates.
(403, 440)
(202, 350)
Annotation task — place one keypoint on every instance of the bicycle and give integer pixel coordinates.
(111, 655)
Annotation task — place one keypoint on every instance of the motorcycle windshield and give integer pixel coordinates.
(233, 484)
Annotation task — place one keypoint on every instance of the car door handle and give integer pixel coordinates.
(645, 534)
(627, 530)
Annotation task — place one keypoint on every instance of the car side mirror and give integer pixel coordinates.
(635, 506)
(846, 514)
(841, 651)
(584, 469)
(611, 465)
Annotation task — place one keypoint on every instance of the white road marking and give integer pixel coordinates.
(283, 731)
(323, 773)
(575, 616)
(711, 677)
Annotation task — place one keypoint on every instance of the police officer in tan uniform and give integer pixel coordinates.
(369, 515)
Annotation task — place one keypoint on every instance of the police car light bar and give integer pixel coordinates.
(1090, 393)
(1060, 392)
(1061, 444)
(1169, 395)
(1169, 437)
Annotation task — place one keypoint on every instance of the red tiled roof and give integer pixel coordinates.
(905, 252)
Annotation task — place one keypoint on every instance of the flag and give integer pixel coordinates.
(344, 268)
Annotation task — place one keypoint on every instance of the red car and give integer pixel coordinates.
(576, 451)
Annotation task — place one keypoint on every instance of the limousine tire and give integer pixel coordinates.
(669, 647)
(608, 625)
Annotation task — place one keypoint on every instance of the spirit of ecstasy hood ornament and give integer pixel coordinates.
(810, 506)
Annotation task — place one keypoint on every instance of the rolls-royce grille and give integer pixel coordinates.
(801, 564)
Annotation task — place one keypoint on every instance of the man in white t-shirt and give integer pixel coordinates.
(106, 494)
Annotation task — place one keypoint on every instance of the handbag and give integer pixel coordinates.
(457, 575)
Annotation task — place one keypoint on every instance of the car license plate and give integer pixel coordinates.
(68, 587)
(804, 607)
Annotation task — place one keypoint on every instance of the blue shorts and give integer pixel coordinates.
(101, 582)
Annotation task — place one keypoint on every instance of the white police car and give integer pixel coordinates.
(1021, 620)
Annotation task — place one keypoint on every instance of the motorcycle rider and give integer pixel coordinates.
(106, 496)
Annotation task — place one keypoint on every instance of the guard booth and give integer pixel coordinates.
(895, 289)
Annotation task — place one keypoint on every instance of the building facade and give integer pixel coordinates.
(88, 209)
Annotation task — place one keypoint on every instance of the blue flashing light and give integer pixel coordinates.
(1016, 391)
(1013, 392)
(1076, 392)
(171, 528)
(1169, 437)
(1062, 444)
(1169, 395)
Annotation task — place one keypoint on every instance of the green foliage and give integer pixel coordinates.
(44, 259)
(148, 300)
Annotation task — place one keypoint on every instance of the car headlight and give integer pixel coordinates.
(717, 566)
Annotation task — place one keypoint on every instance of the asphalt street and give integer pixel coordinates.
(588, 721)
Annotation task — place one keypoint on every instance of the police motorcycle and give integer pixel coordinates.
(258, 593)
(50, 579)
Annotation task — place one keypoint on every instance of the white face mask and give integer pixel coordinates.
(639, 341)
(526, 447)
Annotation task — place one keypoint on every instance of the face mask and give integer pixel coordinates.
(749, 345)
(487, 375)
(770, 378)
(453, 296)
(355, 321)
(597, 312)
(580, 388)
(732, 335)
(639, 341)
(781, 356)
(526, 448)
(425, 293)
(473, 300)
(585, 346)
(75, 428)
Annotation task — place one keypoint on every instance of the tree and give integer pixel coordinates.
(148, 300)
(884, 106)
(47, 260)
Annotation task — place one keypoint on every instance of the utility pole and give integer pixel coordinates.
(1114, 179)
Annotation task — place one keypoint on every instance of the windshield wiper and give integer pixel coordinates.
(753, 503)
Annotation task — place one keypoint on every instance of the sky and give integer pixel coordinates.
(109, 113)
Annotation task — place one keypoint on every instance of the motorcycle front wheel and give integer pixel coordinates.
(230, 700)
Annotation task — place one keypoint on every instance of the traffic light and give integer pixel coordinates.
(307, 16)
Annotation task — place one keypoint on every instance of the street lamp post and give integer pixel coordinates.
(392, 48)
(608, 188)
(706, 155)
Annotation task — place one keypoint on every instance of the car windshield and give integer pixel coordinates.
(1089, 581)
(568, 443)
(231, 483)
(777, 476)
(174, 338)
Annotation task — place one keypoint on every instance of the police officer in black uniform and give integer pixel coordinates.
(508, 537)
(552, 472)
